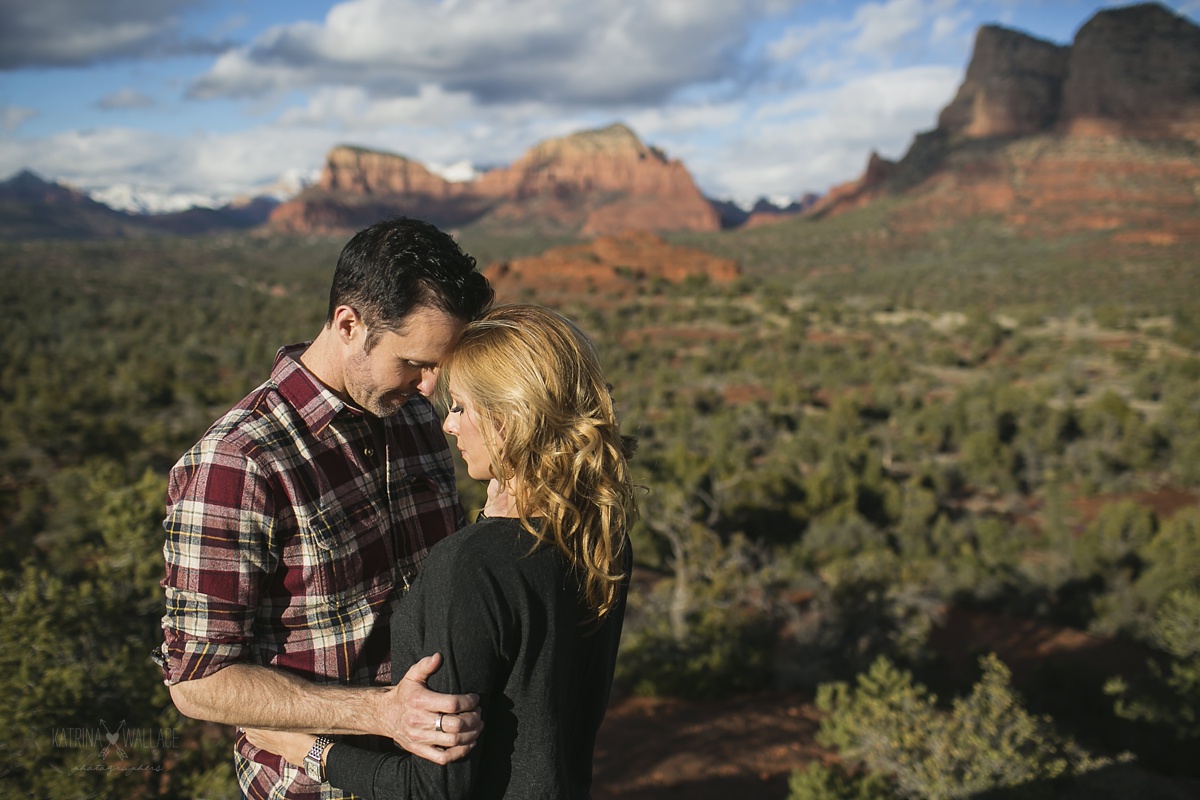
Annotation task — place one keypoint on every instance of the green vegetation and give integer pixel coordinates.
(868, 429)
(986, 741)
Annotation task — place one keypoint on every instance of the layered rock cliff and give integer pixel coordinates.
(594, 182)
(356, 170)
(359, 186)
(603, 182)
(1103, 134)
(1013, 86)
(1134, 71)
(1131, 71)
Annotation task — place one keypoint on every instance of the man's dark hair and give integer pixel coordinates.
(396, 266)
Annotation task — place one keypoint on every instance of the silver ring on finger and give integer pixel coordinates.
(437, 725)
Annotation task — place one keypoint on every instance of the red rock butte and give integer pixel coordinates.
(1101, 134)
(589, 183)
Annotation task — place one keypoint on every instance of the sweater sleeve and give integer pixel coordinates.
(458, 607)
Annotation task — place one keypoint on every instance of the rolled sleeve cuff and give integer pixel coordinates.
(186, 658)
(201, 637)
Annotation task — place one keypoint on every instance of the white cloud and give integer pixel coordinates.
(815, 140)
(680, 121)
(125, 98)
(351, 107)
(952, 26)
(796, 41)
(220, 167)
(885, 28)
(831, 49)
(13, 117)
(597, 52)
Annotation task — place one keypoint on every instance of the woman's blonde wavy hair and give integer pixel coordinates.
(548, 421)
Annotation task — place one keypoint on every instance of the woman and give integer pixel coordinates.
(526, 604)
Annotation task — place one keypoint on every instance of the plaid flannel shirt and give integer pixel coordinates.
(288, 527)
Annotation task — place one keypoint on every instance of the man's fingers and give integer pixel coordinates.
(469, 723)
(440, 756)
(456, 753)
(455, 704)
(420, 700)
(414, 709)
(428, 699)
(465, 726)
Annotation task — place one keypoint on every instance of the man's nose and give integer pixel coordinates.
(428, 382)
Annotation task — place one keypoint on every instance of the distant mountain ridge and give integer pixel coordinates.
(33, 208)
(1103, 133)
(592, 182)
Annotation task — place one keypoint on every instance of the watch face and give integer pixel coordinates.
(312, 761)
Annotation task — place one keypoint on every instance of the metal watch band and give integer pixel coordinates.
(312, 762)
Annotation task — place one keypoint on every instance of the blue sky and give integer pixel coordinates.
(218, 98)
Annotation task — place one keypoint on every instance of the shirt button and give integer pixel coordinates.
(369, 452)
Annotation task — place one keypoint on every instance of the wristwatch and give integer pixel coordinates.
(312, 761)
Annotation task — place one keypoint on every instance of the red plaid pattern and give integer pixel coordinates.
(288, 526)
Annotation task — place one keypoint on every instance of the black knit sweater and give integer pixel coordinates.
(510, 625)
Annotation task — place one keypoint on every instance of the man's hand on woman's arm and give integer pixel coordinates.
(413, 710)
(253, 696)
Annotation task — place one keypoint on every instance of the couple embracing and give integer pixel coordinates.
(314, 595)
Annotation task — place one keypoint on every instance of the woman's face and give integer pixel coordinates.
(463, 424)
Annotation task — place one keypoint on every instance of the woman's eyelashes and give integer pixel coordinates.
(457, 409)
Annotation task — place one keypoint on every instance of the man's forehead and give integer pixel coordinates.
(428, 343)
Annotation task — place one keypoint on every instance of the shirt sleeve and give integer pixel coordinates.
(457, 607)
(220, 518)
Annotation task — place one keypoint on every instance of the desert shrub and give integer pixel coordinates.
(984, 556)
(724, 650)
(893, 727)
(1112, 541)
(847, 482)
(914, 505)
(1185, 328)
(1180, 419)
(982, 335)
(865, 601)
(831, 539)
(1109, 553)
(989, 462)
(1172, 559)
(705, 630)
(1169, 694)
(74, 656)
(820, 782)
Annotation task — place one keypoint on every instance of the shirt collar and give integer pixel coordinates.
(315, 402)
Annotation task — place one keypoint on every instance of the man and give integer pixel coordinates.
(301, 513)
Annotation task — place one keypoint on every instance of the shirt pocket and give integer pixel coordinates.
(432, 491)
(350, 555)
(429, 511)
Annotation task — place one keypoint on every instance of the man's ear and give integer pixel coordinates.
(347, 324)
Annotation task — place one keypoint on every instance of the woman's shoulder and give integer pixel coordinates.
(487, 543)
